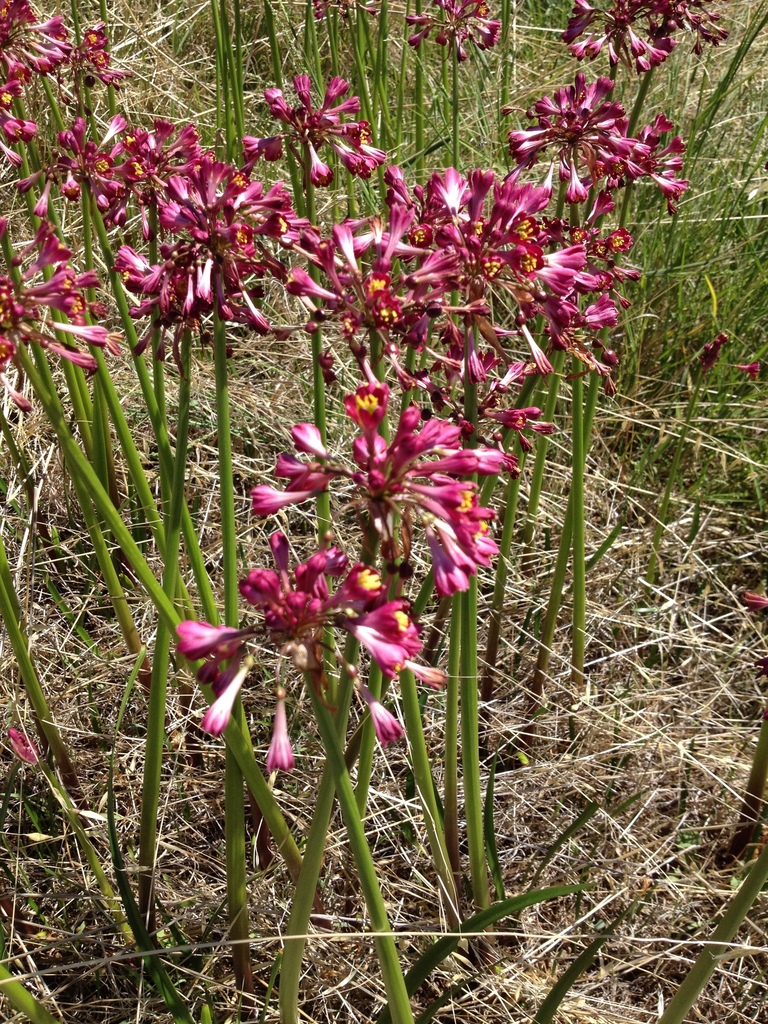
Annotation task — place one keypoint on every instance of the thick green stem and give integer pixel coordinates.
(451, 783)
(234, 822)
(22, 1001)
(719, 946)
(153, 755)
(386, 948)
(753, 796)
(578, 614)
(540, 462)
(425, 785)
(305, 894)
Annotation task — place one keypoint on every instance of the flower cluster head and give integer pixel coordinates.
(29, 46)
(462, 21)
(413, 479)
(91, 60)
(587, 136)
(24, 295)
(220, 219)
(297, 607)
(13, 130)
(309, 129)
(639, 30)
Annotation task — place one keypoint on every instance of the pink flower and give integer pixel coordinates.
(280, 755)
(386, 726)
(226, 688)
(309, 129)
(752, 369)
(23, 747)
(461, 21)
(755, 602)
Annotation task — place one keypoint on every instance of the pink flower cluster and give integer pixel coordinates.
(592, 150)
(410, 480)
(27, 292)
(297, 606)
(460, 22)
(30, 47)
(309, 129)
(640, 30)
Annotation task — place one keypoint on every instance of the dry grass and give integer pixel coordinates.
(660, 741)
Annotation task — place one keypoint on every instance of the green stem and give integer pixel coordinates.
(386, 948)
(305, 893)
(539, 464)
(547, 634)
(719, 946)
(451, 783)
(155, 739)
(455, 141)
(578, 614)
(425, 785)
(753, 796)
(234, 821)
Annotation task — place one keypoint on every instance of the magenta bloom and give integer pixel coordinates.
(298, 607)
(13, 128)
(587, 136)
(711, 352)
(463, 21)
(21, 307)
(386, 726)
(751, 369)
(23, 747)
(639, 30)
(91, 60)
(280, 755)
(312, 128)
(28, 45)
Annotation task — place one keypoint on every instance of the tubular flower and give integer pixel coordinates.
(364, 297)
(639, 30)
(221, 217)
(15, 129)
(27, 45)
(310, 129)
(297, 608)
(23, 747)
(23, 297)
(411, 479)
(589, 137)
(462, 21)
(91, 60)
(91, 163)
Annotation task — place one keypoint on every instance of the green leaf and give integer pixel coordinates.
(447, 945)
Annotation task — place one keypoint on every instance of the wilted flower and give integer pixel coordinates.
(711, 352)
(755, 602)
